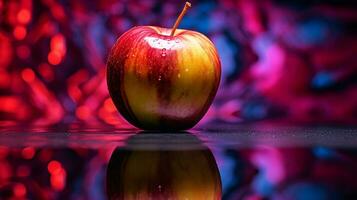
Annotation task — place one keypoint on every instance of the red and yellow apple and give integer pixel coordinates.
(163, 173)
(163, 78)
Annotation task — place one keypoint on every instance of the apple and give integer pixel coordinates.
(161, 78)
(162, 172)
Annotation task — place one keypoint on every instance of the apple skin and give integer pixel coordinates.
(163, 82)
(162, 173)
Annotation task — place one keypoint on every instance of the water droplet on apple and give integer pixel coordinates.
(159, 78)
(163, 52)
(178, 75)
(186, 70)
(177, 41)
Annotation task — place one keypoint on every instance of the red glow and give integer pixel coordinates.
(4, 80)
(46, 71)
(28, 75)
(83, 112)
(102, 113)
(23, 171)
(74, 93)
(58, 12)
(28, 153)
(19, 190)
(52, 110)
(58, 44)
(5, 50)
(4, 151)
(54, 167)
(108, 117)
(54, 58)
(8, 104)
(5, 171)
(20, 32)
(58, 180)
(24, 16)
(74, 82)
(111, 120)
(58, 175)
(23, 52)
(106, 112)
(108, 105)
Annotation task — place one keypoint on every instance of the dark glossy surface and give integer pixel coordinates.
(260, 161)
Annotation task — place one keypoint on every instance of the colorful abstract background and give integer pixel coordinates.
(293, 61)
(283, 61)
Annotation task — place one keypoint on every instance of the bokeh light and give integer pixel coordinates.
(24, 16)
(278, 62)
(283, 61)
(20, 32)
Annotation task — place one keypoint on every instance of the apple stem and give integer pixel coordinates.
(178, 20)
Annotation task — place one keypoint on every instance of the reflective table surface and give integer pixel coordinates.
(214, 161)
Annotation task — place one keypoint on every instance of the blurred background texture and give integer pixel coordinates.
(292, 61)
(288, 61)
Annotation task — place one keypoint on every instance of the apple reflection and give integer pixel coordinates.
(159, 172)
